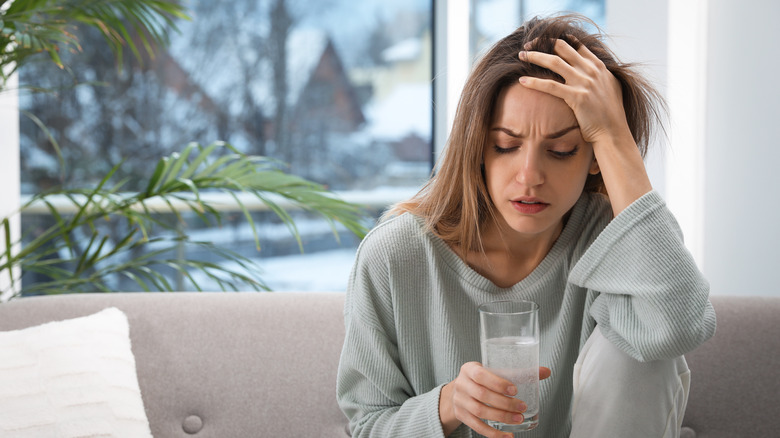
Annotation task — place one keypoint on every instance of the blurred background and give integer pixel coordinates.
(359, 96)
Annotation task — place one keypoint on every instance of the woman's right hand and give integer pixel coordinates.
(478, 394)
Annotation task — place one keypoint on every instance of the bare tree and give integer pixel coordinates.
(281, 22)
(100, 116)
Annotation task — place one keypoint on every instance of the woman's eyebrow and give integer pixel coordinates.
(562, 132)
(556, 134)
(507, 132)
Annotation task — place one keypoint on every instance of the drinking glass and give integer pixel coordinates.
(509, 338)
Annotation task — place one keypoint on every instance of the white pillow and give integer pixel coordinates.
(73, 378)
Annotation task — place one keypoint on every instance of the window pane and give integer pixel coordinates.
(339, 90)
(495, 19)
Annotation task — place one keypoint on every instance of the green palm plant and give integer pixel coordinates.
(77, 253)
(31, 27)
(182, 181)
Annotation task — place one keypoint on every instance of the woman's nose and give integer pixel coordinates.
(530, 172)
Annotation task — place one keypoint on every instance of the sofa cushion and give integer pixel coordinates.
(71, 378)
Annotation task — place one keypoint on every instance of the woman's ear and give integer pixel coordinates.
(594, 167)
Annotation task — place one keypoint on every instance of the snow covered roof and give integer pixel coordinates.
(304, 50)
(402, 112)
(406, 50)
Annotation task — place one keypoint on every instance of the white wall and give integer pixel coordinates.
(638, 34)
(721, 172)
(742, 153)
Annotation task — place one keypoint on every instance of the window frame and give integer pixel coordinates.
(10, 177)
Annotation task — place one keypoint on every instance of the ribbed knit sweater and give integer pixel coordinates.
(412, 320)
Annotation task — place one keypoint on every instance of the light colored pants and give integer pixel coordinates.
(617, 396)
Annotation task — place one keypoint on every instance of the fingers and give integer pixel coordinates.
(576, 67)
(482, 395)
(486, 388)
(581, 58)
(477, 425)
(552, 61)
(474, 420)
(544, 373)
(487, 379)
(562, 62)
(548, 86)
(589, 88)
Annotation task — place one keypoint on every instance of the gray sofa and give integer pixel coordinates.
(264, 364)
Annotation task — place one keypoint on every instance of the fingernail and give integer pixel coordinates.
(523, 55)
(522, 407)
(517, 418)
(511, 390)
(522, 80)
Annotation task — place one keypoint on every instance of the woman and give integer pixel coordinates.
(541, 195)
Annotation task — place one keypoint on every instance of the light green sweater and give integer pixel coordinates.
(412, 320)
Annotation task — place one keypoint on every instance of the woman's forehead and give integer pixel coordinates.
(519, 110)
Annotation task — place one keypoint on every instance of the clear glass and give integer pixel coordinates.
(339, 91)
(509, 339)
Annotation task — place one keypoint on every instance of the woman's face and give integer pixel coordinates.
(536, 161)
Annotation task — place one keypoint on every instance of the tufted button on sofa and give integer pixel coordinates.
(192, 424)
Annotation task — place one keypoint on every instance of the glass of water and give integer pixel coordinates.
(509, 338)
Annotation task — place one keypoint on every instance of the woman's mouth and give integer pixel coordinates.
(529, 206)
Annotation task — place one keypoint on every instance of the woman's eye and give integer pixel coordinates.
(504, 150)
(565, 154)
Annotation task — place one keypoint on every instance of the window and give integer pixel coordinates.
(340, 90)
(494, 19)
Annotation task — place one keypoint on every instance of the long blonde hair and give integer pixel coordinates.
(455, 202)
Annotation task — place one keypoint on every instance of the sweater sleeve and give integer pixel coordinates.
(652, 301)
(372, 389)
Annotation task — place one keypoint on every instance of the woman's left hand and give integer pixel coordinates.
(594, 95)
(590, 89)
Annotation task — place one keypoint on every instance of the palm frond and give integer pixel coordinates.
(30, 27)
(75, 255)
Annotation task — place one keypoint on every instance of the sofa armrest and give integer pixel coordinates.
(735, 375)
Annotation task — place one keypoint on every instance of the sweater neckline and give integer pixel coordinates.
(553, 257)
